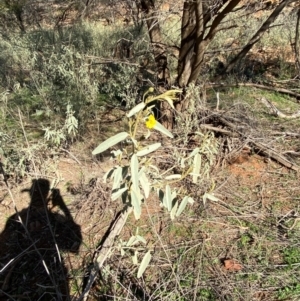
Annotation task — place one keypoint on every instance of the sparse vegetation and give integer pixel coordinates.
(65, 87)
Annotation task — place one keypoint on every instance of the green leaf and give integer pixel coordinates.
(182, 205)
(134, 258)
(117, 178)
(168, 197)
(132, 240)
(170, 101)
(136, 204)
(136, 109)
(191, 200)
(173, 211)
(161, 196)
(172, 93)
(149, 149)
(173, 177)
(211, 197)
(159, 127)
(134, 166)
(110, 142)
(194, 152)
(144, 264)
(182, 165)
(196, 167)
(118, 193)
(145, 184)
(141, 239)
(108, 174)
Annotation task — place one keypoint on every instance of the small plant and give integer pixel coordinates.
(69, 129)
(291, 255)
(135, 175)
(289, 292)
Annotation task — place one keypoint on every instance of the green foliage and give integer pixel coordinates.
(139, 177)
(290, 292)
(119, 84)
(291, 255)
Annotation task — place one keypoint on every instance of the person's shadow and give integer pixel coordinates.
(31, 246)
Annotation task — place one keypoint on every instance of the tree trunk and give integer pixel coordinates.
(159, 49)
(194, 42)
(202, 43)
(297, 43)
(257, 36)
(188, 34)
(161, 61)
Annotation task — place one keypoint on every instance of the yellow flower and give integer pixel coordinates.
(150, 122)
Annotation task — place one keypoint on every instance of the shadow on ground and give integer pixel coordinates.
(31, 267)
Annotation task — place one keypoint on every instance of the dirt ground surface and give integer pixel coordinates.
(250, 185)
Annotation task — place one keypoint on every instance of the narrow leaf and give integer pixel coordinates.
(170, 101)
(173, 177)
(136, 109)
(161, 195)
(149, 149)
(159, 127)
(191, 200)
(141, 239)
(144, 264)
(182, 165)
(172, 93)
(134, 258)
(136, 204)
(145, 184)
(134, 166)
(173, 211)
(196, 167)
(211, 197)
(108, 174)
(194, 152)
(168, 196)
(117, 178)
(131, 241)
(118, 193)
(109, 143)
(182, 205)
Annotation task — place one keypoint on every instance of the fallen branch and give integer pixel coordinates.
(290, 134)
(275, 111)
(275, 89)
(260, 147)
(269, 152)
(218, 130)
(104, 251)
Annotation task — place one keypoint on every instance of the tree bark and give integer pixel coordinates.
(159, 49)
(161, 61)
(257, 36)
(188, 35)
(194, 42)
(297, 42)
(202, 43)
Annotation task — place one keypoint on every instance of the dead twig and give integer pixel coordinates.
(275, 111)
(275, 89)
(261, 148)
(104, 251)
(71, 155)
(269, 152)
